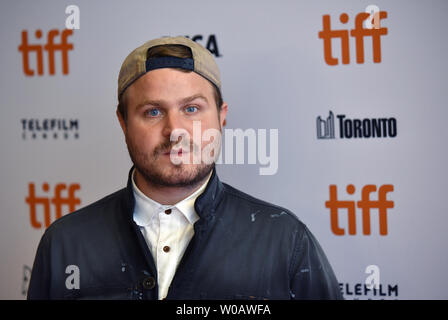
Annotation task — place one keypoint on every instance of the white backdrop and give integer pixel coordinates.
(274, 77)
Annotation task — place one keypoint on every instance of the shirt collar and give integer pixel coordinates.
(146, 208)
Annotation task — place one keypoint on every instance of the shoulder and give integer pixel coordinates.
(256, 209)
(91, 216)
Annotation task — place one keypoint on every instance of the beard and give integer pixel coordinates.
(171, 175)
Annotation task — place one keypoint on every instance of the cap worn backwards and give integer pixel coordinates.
(136, 63)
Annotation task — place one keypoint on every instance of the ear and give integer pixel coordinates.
(223, 114)
(122, 122)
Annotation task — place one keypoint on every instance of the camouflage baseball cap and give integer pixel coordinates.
(136, 63)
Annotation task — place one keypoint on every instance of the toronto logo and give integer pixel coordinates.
(349, 128)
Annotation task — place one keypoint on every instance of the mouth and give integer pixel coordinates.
(178, 152)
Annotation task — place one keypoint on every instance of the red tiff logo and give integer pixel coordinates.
(51, 47)
(365, 204)
(58, 201)
(359, 33)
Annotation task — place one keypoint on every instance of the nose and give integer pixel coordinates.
(171, 122)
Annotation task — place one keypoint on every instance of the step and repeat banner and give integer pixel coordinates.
(337, 111)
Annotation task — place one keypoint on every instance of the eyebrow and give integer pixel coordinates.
(159, 103)
(194, 97)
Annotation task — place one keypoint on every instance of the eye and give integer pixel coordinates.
(153, 112)
(191, 109)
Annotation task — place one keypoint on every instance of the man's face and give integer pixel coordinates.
(159, 102)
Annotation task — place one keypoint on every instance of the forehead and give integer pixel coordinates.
(169, 85)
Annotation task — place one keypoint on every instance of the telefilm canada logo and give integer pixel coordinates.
(49, 129)
(348, 128)
(358, 291)
(371, 289)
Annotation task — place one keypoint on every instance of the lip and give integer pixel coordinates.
(179, 152)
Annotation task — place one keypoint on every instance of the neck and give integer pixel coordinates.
(165, 195)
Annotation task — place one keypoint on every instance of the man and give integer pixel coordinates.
(176, 231)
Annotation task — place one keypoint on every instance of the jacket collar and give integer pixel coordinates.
(204, 205)
(207, 202)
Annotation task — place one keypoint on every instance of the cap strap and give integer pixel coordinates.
(169, 62)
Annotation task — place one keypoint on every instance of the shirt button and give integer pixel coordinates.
(168, 211)
(166, 248)
(149, 283)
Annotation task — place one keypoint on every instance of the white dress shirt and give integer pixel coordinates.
(167, 230)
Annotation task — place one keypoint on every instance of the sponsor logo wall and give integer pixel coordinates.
(340, 109)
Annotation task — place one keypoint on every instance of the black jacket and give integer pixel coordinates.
(243, 248)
